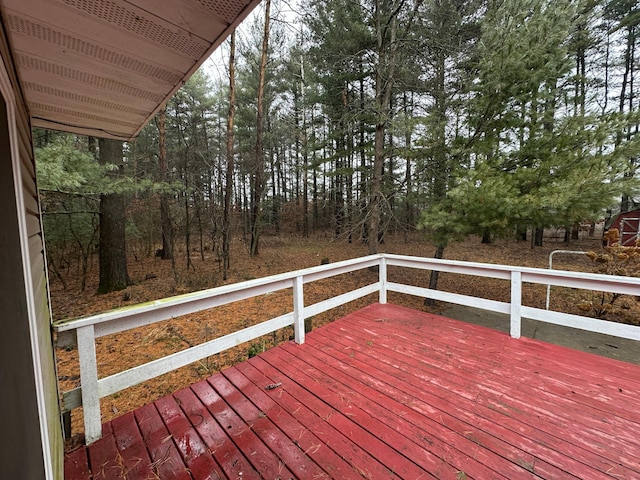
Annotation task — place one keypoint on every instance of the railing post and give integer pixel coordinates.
(89, 384)
(516, 304)
(382, 271)
(298, 309)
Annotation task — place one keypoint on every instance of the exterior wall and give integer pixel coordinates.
(29, 401)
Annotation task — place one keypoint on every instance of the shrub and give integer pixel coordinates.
(613, 260)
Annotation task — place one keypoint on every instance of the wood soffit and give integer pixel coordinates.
(105, 67)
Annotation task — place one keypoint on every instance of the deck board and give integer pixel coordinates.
(166, 460)
(515, 397)
(502, 409)
(262, 459)
(135, 458)
(225, 452)
(76, 465)
(194, 451)
(557, 368)
(387, 393)
(317, 417)
(524, 381)
(333, 464)
(445, 430)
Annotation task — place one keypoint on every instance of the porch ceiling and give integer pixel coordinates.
(104, 67)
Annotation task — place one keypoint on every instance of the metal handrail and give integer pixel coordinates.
(551, 255)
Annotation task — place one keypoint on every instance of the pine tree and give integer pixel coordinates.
(112, 246)
(532, 164)
(228, 188)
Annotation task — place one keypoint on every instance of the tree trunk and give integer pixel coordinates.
(385, 72)
(198, 207)
(113, 249)
(305, 154)
(316, 206)
(538, 237)
(275, 192)
(349, 184)
(575, 231)
(435, 274)
(228, 186)
(363, 180)
(165, 216)
(409, 223)
(246, 207)
(627, 83)
(187, 218)
(305, 183)
(375, 204)
(258, 175)
(338, 180)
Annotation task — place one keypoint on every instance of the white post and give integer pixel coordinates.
(89, 384)
(298, 309)
(382, 271)
(516, 304)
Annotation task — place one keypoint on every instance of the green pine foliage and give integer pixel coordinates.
(63, 167)
(531, 160)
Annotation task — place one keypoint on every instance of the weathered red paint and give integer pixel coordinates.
(388, 392)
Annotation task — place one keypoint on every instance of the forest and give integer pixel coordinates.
(495, 118)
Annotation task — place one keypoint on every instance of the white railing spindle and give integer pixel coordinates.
(89, 382)
(298, 309)
(382, 275)
(516, 304)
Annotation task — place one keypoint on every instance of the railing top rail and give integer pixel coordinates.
(499, 268)
(315, 273)
(530, 274)
(87, 329)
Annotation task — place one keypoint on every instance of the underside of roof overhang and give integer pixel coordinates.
(105, 67)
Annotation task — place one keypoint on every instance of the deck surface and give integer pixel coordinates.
(386, 393)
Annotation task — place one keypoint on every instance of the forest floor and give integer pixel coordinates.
(153, 278)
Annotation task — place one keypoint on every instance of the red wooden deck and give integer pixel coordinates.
(386, 393)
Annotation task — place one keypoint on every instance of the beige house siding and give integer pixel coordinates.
(29, 384)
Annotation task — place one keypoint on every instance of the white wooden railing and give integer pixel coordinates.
(84, 331)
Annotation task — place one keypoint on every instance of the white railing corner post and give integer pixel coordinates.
(298, 309)
(516, 304)
(89, 384)
(382, 271)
